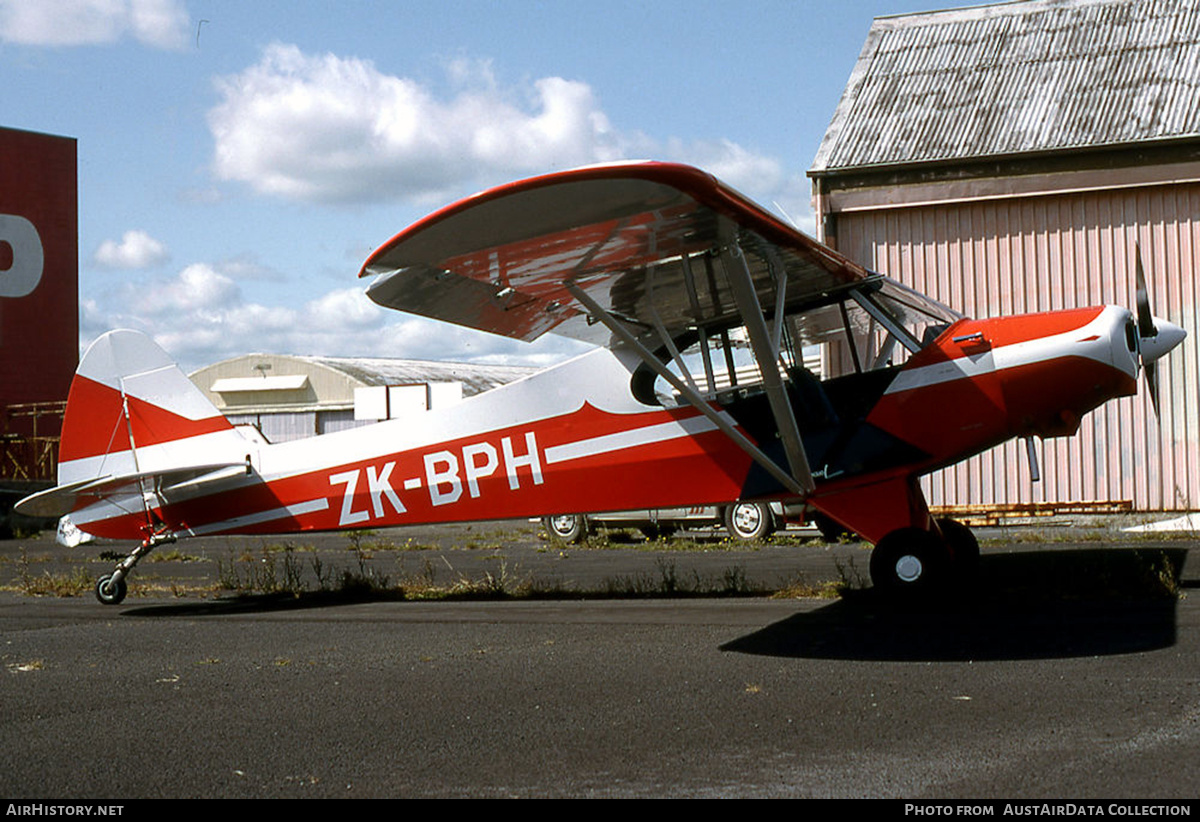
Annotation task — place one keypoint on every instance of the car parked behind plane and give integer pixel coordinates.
(743, 520)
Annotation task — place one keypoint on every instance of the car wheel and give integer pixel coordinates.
(568, 528)
(749, 520)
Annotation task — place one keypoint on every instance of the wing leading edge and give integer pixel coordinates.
(644, 241)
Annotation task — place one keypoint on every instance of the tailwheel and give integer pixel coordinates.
(909, 561)
(111, 589)
(964, 548)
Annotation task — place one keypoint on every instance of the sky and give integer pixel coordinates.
(239, 160)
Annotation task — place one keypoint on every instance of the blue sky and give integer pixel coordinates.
(239, 160)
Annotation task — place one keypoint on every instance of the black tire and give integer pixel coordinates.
(908, 562)
(964, 548)
(747, 521)
(110, 592)
(566, 528)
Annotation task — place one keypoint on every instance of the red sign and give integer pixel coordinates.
(39, 267)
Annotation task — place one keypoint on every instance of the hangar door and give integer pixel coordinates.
(1038, 253)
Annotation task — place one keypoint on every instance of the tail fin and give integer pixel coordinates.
(134, 423)
(132, 410)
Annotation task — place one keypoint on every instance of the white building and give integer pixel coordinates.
(291, 397)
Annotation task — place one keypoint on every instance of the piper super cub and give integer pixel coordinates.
(702, 305)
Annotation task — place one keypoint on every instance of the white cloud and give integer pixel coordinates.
(159, 23)
(197, 290)
(326, 128)
(137, 249)
(200, 316)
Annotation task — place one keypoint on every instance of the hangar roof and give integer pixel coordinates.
(377, 371)
(1018, 78)
(324, 382)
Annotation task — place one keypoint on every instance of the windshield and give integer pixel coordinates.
(876, 326)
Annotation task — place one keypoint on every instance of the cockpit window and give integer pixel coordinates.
(860, 328)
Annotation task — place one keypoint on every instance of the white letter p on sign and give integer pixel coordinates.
(22, 276)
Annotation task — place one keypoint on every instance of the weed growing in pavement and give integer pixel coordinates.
(267, 574)
(70, 584)
(174, 555)
(731, 582)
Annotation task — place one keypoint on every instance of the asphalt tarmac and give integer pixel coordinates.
(1069, 670)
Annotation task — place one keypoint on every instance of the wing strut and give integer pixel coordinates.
(694, 301)
(767, 355)
(695, 400)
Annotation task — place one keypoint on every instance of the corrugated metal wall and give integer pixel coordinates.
(1011, 256)
(280, 427)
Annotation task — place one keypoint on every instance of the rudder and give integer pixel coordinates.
(131, 409)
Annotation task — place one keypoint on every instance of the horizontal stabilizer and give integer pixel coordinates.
(62, 500)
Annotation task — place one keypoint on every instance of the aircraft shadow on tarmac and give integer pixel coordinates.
(263, 603)
(1040, 605)
(1029, 605)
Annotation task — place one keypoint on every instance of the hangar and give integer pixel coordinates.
(1013, 158)
(290, 397)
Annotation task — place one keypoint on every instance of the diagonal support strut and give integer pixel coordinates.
(767, 355)
(695, 400)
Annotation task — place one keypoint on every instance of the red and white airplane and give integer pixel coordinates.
(702, 305)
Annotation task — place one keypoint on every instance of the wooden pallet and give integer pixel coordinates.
(988, 515)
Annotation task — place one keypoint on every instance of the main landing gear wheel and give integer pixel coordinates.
(750, 521)
(964, 548)
(568, 528)
(110, 591)
(909, 561)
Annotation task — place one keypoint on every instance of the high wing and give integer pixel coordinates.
(645, 241)
(643, 255)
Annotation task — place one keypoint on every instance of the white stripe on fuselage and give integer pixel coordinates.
(295, 510)
(633, 438)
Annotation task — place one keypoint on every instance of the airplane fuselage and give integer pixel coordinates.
(575, 438)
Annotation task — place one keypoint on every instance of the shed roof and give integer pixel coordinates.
(259, 373)
(476, 378)
(1018, 78)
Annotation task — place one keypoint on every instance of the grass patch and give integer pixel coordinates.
(70, 584)
(174, 555)
(668, 583)
(271, 572)
(504, 583)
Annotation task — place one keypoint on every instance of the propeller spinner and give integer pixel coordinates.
(1157, 336)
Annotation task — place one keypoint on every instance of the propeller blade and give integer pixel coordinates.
(1157, 336)
(1152, 384)
(1145, 317)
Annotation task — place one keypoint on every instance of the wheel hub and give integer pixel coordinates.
(747, 517)
(909, 568)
